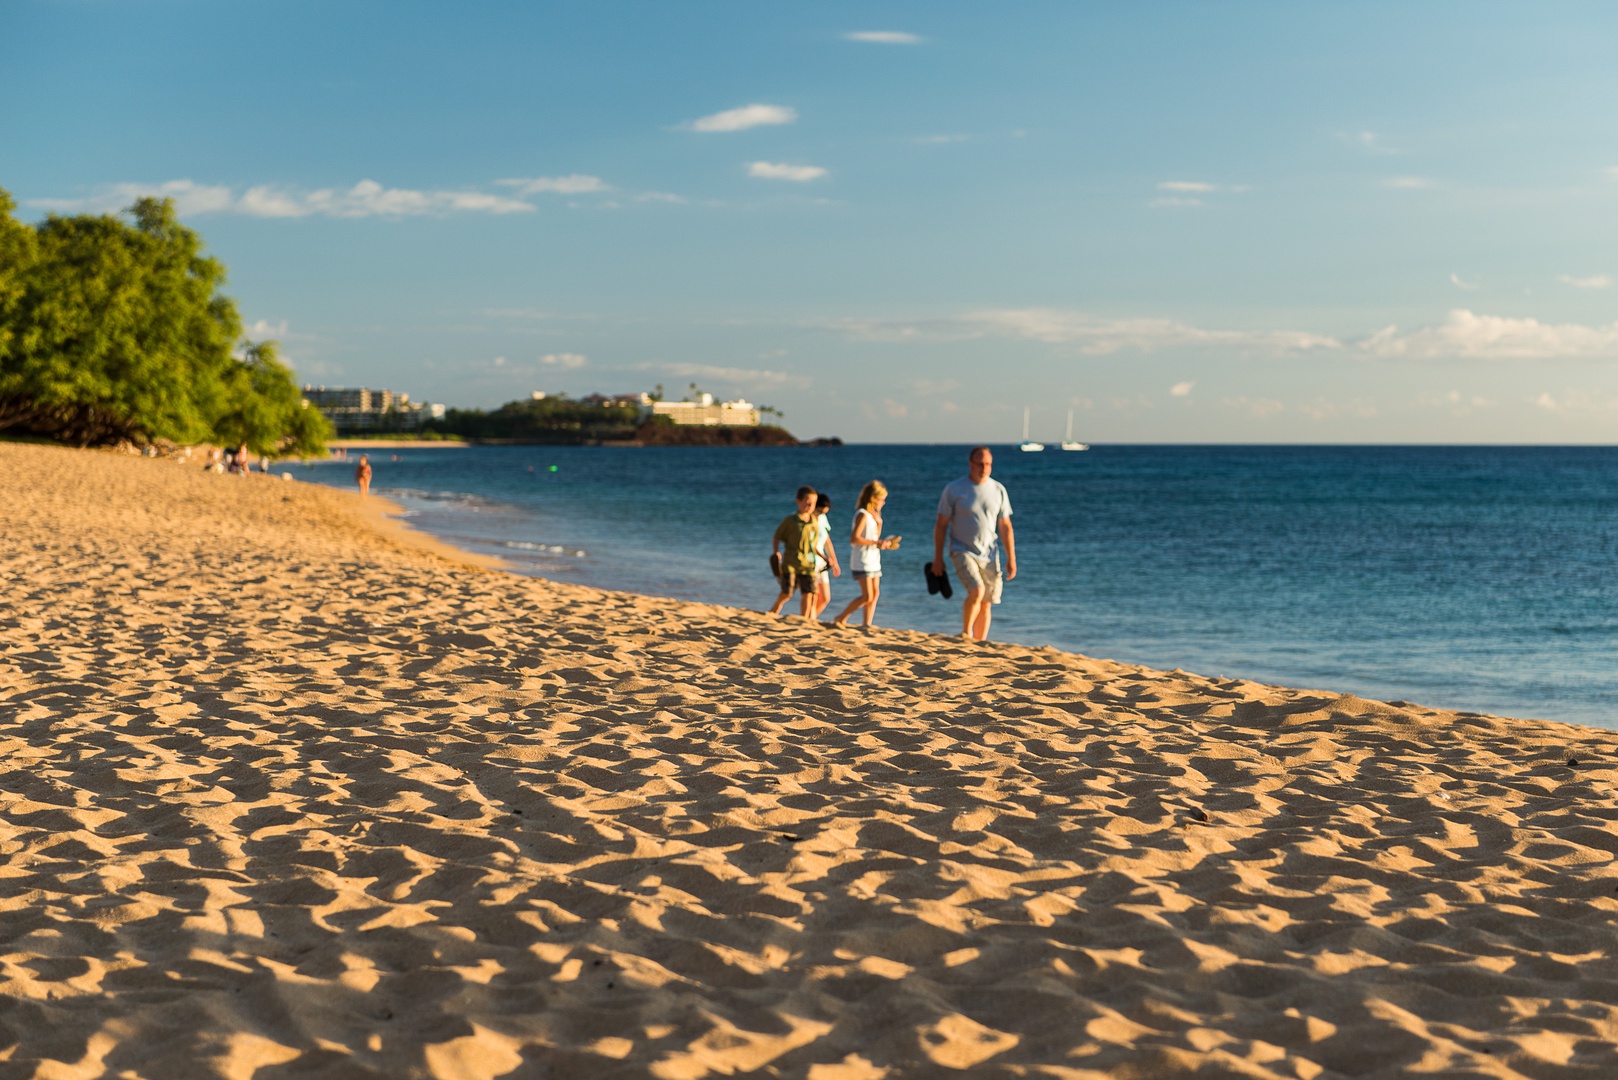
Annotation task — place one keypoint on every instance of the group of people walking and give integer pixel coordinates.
(973, 523)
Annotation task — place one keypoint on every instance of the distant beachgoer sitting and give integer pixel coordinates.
(362, 475)
(866, 543)
(974, 514)
(792, 552)
(825, 554)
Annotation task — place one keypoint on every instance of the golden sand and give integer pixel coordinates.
(284, 795)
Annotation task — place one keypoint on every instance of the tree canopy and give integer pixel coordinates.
(115, 331)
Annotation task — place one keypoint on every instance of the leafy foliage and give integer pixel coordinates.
(545, 420)
(113, 332)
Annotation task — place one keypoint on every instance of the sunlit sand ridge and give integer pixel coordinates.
(284, 794)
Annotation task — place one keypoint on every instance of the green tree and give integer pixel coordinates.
(116, 331)
(264, 408)
(18, 250)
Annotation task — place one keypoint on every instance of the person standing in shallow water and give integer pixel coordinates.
(974, 516)
(362, 475)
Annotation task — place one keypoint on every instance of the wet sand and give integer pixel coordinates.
(286, 793)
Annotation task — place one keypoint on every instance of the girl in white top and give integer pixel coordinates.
(867, 543)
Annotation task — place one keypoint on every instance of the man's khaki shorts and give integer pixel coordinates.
(978, 575)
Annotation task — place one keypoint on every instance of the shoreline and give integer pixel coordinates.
(284, 789)
(399, 444)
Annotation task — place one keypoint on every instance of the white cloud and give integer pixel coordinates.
(659, 196)
(1595, 281)
(1093, 334)
(1493, 337)
(770, 170)
(564, 360)
(1182, 389)
(748, 116)
(1575, 401)
(365, 199)
(884, 37)
(1257, 407)
(1407, 183)
(737, 376)
(1455, 279)
(1369, 141)
(940, 140)
(1185, 185)
(572, 184)
(263, 328)
(189, 198)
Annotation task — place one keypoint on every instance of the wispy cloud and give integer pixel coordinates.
(1182, 389)
(365, 199)
(1595, 281)
(1256, 407)
(564, 360)
(572, 184)
(1467, 335)
(1408, 183)
(1187, 192)
(1093, 334)
(748, 377)
(659, 196)
(940, 140)
(748, 116)
(770, 170)
(1455, 279)
(260, 329)
(884, 37)
(1368, 141)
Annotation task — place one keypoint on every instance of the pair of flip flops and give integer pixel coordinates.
(937, 583)
(775, 564)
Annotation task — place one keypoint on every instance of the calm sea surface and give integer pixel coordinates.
(1476, 578)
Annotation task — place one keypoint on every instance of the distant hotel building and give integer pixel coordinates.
(353, 409)
(705, 412)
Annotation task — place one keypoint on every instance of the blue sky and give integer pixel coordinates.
(1234, 222)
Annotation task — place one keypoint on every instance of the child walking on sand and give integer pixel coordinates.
(792, 554)
(825, 554)
(867, 543)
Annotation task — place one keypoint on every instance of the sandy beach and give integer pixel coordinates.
(288, 791)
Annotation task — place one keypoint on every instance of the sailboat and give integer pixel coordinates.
(1068, 443)
(1028, 446)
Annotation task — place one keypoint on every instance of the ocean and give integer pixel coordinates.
(1471, 578)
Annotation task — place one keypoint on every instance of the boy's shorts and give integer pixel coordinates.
(978, 575)
(792, 578)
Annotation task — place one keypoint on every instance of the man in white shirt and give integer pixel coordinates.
(974, 514)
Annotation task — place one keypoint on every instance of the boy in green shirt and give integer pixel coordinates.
(793, 553)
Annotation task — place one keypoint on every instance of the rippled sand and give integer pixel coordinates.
(286, 793)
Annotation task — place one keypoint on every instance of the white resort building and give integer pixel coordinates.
(705, 412)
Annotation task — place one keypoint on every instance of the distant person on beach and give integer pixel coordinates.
(792, 552)
(825, 554)
(866, 545)
(974, 515)
(362, 475)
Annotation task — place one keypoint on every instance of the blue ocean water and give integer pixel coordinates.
(1474, 578)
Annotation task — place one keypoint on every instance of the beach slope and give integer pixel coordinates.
(286, 794)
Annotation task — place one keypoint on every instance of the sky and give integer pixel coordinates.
(894, 222)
